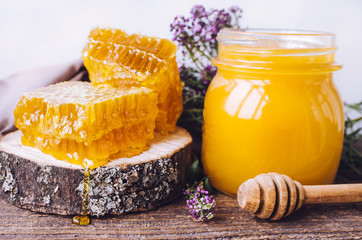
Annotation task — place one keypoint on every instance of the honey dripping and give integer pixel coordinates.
(82, 218)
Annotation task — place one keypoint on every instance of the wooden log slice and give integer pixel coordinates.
(34, 180)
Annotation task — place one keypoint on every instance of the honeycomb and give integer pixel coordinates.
(122, 142)
(81, 111)
(116, 58)
(87, 124)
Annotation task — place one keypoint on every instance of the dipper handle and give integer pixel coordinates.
(335, 193)
(273, 196)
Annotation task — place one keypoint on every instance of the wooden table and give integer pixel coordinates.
(173, 221)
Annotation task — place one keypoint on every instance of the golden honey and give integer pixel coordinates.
(116, 58)
(272, 107)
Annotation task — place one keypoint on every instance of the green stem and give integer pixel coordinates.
(195, 98)
(203, 52)
(356, 120)
(193, 58)
(355, 151)
(198, 49)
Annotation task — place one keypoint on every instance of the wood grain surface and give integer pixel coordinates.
(173, 221)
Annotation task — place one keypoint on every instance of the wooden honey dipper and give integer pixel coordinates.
(273, 196)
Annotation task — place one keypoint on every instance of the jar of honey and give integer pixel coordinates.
(272, 107)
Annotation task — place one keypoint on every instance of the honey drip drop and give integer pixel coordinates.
(82, 218)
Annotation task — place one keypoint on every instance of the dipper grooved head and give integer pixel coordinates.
(270, 196)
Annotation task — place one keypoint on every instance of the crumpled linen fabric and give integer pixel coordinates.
(12, 87)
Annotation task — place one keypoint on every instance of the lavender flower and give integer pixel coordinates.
(201, 205)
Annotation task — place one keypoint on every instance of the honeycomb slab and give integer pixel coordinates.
(122, 142)
(83, 112)
(116, 58)
(86, 124)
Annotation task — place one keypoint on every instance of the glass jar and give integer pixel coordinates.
(272, 107)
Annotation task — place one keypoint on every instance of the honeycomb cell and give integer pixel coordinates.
(116, 58)
(83, 112)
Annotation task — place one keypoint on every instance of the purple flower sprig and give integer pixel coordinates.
(200, 203)
(196, 37)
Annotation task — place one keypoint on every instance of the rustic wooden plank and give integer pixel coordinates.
(173, 222)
